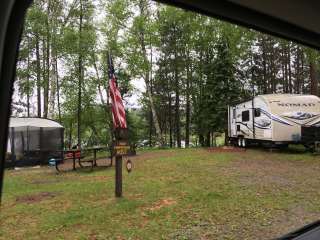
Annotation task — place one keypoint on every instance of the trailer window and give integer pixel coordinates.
(245, 116)
(234, 113)
(257, 112)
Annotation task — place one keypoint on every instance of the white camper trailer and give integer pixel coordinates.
(277, 119)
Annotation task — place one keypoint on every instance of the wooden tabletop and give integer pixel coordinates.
(71, 150)
(95, 148)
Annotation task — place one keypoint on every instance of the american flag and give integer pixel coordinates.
(118, 112)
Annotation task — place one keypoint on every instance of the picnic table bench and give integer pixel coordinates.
(77, 154)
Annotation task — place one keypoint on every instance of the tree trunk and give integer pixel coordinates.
(154, 114)
(109, 125)
(207, 139)
(283, 72)
(142, 6)
(53, 91)
(302, 73)
(38, 77)
(99, 82)
(286, 71)
(188, 102)
(170, 120)
(54, 48)
(289, 69)
(313, 78)
(45, 80)
(80, 76)
(70, 135)
(57, 86)
(150, 128)
(264, 60)
(28, 79)
(177, 108)
(201, 140)
(273, 70)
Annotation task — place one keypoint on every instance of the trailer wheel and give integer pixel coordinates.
(239, 142)
(244, 142)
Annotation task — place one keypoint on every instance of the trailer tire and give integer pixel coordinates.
(244, 143)
(239, 142)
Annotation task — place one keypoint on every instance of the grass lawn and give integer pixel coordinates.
(171, 194)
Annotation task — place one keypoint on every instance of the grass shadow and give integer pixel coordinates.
(291, 149)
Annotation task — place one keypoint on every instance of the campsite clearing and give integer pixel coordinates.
(171, 194)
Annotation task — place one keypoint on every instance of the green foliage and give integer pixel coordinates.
(193, 66)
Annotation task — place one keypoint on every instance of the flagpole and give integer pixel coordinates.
(118, 175)
(118, 157)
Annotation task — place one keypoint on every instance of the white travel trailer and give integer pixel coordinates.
(277, 119)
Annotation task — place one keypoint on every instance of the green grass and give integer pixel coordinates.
(171, 194)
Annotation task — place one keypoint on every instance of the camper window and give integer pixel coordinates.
(234, 113)
(257, 112)
(245, 116)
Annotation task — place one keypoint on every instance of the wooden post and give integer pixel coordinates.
(95, 157)
(118, 179)
(120, 149)
(73, 160)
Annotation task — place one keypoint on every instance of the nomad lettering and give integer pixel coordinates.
(296, 104)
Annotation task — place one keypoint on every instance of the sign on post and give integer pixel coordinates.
(121, 150)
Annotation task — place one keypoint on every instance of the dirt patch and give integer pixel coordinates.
(291, 183)
(95, 178)
(292, 219)
(36, 197)
(136, 196)
(86, 178)
(202, 231)
(45, 181)
(267, 169)
(152, 155)
(162, 203)
(226, 149)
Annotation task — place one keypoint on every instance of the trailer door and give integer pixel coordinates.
(233, 126)
(245, 123)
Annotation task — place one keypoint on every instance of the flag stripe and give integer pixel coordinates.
(118, 111)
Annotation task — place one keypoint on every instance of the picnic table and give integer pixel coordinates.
(72, 154)
(95, 150)
(78, 154)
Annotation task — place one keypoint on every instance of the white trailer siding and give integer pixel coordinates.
(262, 122)
(274, 117)
(293, 111)
(244, 123)
(244, 119)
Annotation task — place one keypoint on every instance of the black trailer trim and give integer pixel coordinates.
(245, 125)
